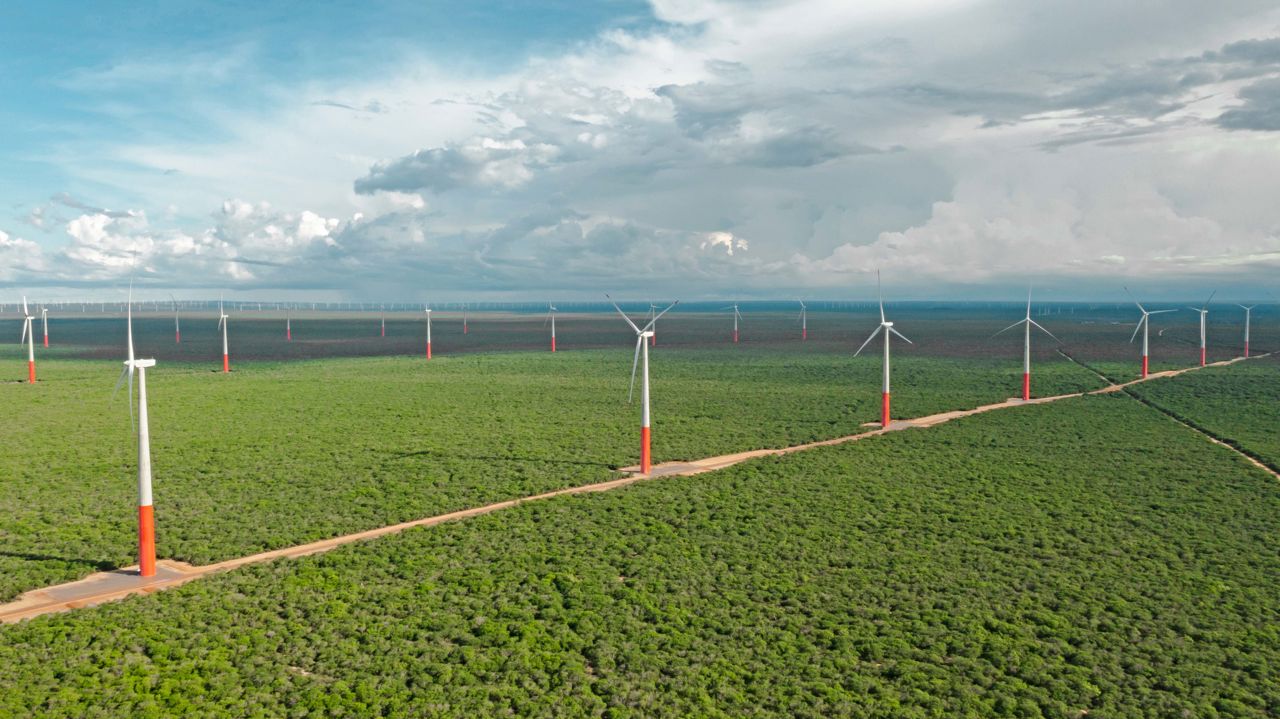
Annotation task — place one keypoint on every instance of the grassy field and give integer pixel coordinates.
(1030, 562)
(1238, 404)
(279, 453)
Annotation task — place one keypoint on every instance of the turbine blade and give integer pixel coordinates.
(1160, 312)
(1206, 302)
(864, 344)
(25, 323)
(635, 361)
(904, 337)
(1042, 329)
(624, 314)
(1006, 329)
(1138, 327)
(24, 306)
(880, 295)
(1028, 301)
(1135, 299)
(655, 318)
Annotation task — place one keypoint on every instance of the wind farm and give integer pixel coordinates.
(966, 404)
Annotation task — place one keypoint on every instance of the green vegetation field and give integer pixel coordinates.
(276, 453)
(1239, 404)
(1084, 557)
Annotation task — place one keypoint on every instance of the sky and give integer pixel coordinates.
(409, 151)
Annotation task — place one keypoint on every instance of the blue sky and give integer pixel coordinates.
(745, 148)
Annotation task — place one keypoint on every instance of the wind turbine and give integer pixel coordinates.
(464, 319)
(44, 318)
(736, 316)
(1247, 311)
(222, 324)
(642, 348)
(427, 309)
(29, 336)
(1026, 346)
(383, 315)
(887, 327)
(551, 315)
(804, 321)
(146, 515)
(288, 323)
(1204, 312)
(177, 328)
(1144, 324)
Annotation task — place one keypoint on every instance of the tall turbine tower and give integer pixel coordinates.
(1204, 313)
(1247, 311)
(29, 336)
(427, 309)
(551, 316)
(146, 515)
(1144, 324)
(177, 328)
(1026, 346)
(642, 349)
(886, 327)
(222, 324)
(804, 321)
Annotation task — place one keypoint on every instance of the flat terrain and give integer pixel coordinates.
(1029, 562)
(277, 454)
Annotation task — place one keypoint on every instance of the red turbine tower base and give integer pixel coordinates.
(1026, 386)
(428, 350)
(645, 461)
(884, 409)
(553, 344)
(31, 372)
(1144, 366)
(804, 333)
(1201, 356)
(735, 336)
(1246, 350)
(46, 340)
(146, 541)
(226, 363)
(177, 338)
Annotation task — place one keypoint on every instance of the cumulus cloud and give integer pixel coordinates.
(480, 163)
(932, 138)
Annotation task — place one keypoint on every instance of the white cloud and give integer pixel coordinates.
(944, 139)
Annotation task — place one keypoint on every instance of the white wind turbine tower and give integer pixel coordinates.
(222, 324)
(383, 316)
(427, 309)
(1204, 313)
(642, 348)
(804, 321)
(653, 310)
(1026, 345)
(44, 318)
(464, 318)
(736, 316)
(288, 323)
(1247, 311)
(551, 316)
(887, 327)
(29, 336)
(1144, 324)
(177, 326)
(146, 515)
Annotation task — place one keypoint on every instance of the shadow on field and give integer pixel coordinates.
(96, 564)
(485, 458)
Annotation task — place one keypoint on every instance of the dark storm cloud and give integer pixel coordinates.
(1260, 111)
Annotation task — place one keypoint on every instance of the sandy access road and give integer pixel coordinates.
(110, 586)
